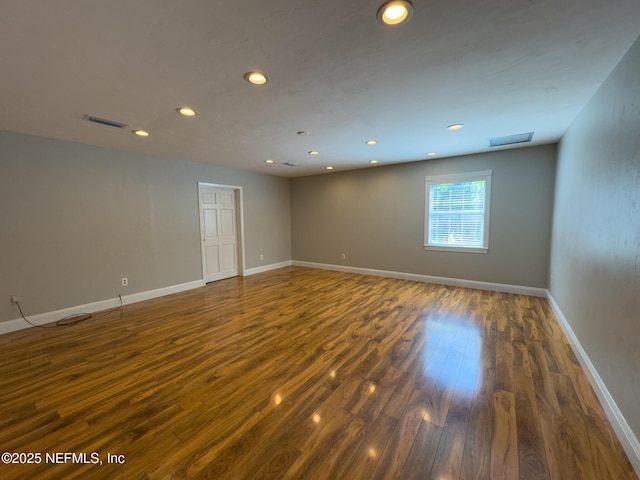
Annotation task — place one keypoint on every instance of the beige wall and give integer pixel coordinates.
(595, 263)
(376, 217)
(75, 219)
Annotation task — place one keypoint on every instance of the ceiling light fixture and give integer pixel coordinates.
(395, 12)
(269, 161)
(373, 162)
(431, 154)
(314, 152)
(371, 142)
(329, 167)
(187, 111)
(256, 78)
(455, 126)
(141, 133)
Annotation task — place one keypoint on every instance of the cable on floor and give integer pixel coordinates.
(73, 319)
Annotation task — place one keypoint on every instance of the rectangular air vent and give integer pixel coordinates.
(106, 121)
(510, 139)
(291, 164)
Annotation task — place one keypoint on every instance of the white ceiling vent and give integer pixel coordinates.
(291, 164)
(105, 121)
(510, 139)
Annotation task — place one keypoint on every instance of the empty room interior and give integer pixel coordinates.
(319, 239)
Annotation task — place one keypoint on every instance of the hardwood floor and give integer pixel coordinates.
(307, 374)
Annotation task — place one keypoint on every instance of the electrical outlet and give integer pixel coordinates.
(16, 298)
(343, 256)
(125, 281)
(261, 257)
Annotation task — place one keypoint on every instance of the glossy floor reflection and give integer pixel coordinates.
(455, 344)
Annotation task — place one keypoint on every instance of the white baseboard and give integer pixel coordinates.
(626, 436)
(48, 317)
(266, 268)
(161, 292)
(453, 282)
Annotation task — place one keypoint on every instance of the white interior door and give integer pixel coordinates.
(218, 230)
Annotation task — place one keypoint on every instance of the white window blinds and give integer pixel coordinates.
(457, 211)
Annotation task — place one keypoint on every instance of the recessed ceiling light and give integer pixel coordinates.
(256, 78)
(187, 112)
(314, 152)
(395, 12)
(329, 167)
(141, 133)
(373, 161)
(431, 154)
(371, 142)
(269, 161)
(455, 126)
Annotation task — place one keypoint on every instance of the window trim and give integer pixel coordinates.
(458, 178)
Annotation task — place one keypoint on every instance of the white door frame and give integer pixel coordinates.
(237, 191)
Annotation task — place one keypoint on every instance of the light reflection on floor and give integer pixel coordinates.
(452, 352)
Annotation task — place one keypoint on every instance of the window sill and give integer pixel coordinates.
(440, 248)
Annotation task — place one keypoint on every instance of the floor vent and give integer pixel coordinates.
(510, 139)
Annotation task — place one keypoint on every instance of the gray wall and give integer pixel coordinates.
(595, 262)
(75, 219)
(376, 217)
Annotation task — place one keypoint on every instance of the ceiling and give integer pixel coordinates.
(499, 67)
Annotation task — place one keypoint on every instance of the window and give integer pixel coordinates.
(457, 212)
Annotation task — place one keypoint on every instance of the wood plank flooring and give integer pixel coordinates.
(307, 374)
